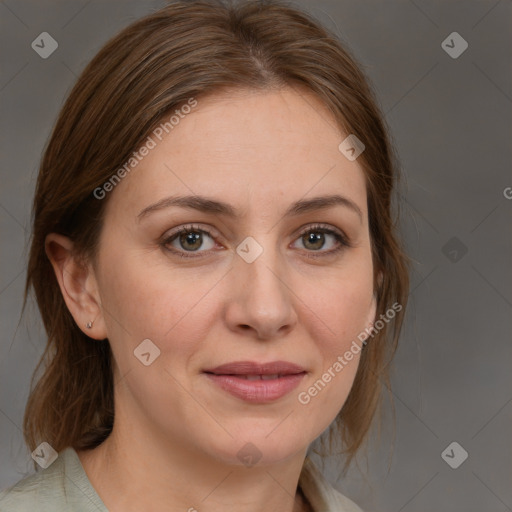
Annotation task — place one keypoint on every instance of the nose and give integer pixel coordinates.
(260, 302)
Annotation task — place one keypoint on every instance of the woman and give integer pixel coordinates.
(216, 265)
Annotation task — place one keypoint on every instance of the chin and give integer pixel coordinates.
(263, 445)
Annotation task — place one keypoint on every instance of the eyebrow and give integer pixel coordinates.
(207, 205)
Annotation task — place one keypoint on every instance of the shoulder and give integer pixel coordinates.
(61, 487)
(321, 494)
(33, 492)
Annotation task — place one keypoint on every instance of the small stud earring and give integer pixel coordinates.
(88, 325)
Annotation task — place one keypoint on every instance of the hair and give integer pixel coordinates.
(191, 49)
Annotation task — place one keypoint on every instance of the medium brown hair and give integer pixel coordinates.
(191, 49)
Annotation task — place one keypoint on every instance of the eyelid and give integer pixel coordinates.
(191, 227)
(169, 237)
(325, 228)
(343, 241)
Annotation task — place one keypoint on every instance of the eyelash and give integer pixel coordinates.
(342, 240)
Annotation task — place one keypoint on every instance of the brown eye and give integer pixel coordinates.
(313, 240)
(190, 240)
(322, 240)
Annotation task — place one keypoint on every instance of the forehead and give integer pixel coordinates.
(247, 146)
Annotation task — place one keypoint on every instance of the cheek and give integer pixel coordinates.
(348, 315)
(341, 305)
(144, 301)
(339, 311)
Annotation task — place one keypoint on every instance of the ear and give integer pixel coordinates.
(370, 319)
(78, 285)
(379, 279)
(372, 312)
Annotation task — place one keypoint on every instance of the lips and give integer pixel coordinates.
(253, 368)
(261, 377)
(257, 382)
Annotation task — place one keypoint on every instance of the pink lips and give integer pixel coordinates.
(257, 382)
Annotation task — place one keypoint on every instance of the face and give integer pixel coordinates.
(239, 246)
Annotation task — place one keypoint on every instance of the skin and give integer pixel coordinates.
(176, 435)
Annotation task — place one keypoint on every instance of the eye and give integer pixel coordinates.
(189, 239)
(321, 239)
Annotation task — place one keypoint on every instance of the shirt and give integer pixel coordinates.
(64, 487)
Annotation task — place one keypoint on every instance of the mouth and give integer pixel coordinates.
(257, 382)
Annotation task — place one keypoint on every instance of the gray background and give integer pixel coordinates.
(451, 122)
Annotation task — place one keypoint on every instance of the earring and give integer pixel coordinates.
(88, 325)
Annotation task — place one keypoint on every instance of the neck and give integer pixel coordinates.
(126, 469)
